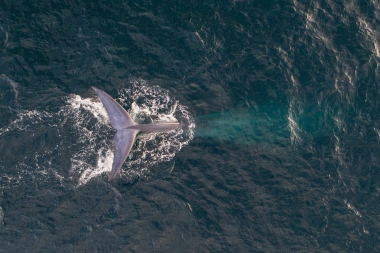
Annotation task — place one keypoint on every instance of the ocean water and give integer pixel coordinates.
(278, 151)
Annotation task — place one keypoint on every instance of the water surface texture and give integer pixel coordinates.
(280, 113)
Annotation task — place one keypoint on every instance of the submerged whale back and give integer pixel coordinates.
(156, 127)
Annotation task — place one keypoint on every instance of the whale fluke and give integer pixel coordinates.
(126, 129)
(124, 140)
(119, 117)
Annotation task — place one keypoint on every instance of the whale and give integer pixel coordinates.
(126, 129)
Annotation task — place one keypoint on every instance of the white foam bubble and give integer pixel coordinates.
(153, 104)
(83, 133)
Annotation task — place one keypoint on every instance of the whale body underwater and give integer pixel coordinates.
(126, 129)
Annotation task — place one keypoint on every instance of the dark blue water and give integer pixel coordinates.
(279, 150)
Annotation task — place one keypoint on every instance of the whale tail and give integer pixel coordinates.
(124, 138)
(126, 129)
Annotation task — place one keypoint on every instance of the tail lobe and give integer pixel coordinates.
(118, 116)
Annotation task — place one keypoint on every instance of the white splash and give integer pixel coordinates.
(84, 136)
(150, 104)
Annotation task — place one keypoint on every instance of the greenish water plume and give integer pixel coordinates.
(268, 124)
(245, 126)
